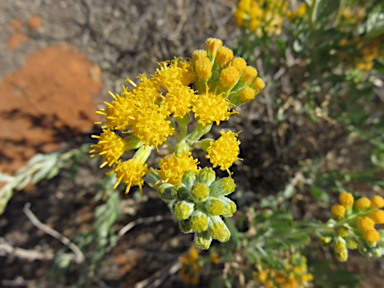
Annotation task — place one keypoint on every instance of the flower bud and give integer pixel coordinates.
(207, 176)
(203, 69)
(239, 63)
(200, 192)
(189, 178)
(258, 84)
(228, 78)
(223, 57)
(346, 199)
(339, 245)
(352, 243)
(338, 210)
(230, 207)
(180, 192)
(185, 226)
(243, 96)
(203, 240)
(362, 203)
(325, 241)
(212, 45)
(342, 231)
(198, 54)
(343, 256)
(365, 223)
(165, 192)
(371, 236)
(199, 221)
(215, 206)
(377, 216)
(377, 202)
(218, 229)
(222, 187)
(183, 209)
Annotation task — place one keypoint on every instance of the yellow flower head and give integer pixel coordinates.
(228, 77)
(224, 151)
(210, 107)
(262, 275)
(371, 236)
(258, 84)
(111, 147)
(239, 63)
(212, 45)
(131, 172)
(248, 74)
(362, 203)
(178, 100)
(224, 56)
(173, 71)
(338, 210)
(365, 223)
(203, 69)
(246, 94)
(173, 168)
(377, 216)
(346, 199)
(151, 126)
(377, 202)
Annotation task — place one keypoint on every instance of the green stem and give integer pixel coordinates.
(198, 132)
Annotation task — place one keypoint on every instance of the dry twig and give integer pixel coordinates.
(79, 256)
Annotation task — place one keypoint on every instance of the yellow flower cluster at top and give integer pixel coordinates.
(190, 266)
(293, 275)
(157, 110)
(353, 226)
(298, 13)
(261, 16)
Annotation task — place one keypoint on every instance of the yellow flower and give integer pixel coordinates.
(131, 172)
(173, 71)
(338, 210)
(215, 258)
(111, 147)
(346, 199)
(363, 203)
(224, 151)
(210, 107)
(365, 223)
(151, 125)
(371, 236)
(262, 275)
(377, 202)
(377, 216)
(301, 9)
(239, 63)
(173, 168)
(178, 100)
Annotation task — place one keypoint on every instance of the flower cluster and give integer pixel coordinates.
(261, 16)
(190, 266)
(294, 274)
(353, 226)
(198, 202)
(157, 112)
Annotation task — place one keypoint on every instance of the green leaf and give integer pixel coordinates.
(320, 194)
(325, 8)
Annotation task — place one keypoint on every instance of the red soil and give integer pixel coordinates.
(45, 103)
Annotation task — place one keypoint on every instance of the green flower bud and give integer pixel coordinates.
(343, 256)
(218, 229)
(180, 192)
(230, 207)
(377, 252)
(183, 209)
(325, 241)
(200, 192)
(215, 206)
(189, 178)
(185, 226)
(199, 221)
(207, 176)
(222, 187)
(203, 240)
(165, 192)
(352, 243)
(342, 231)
